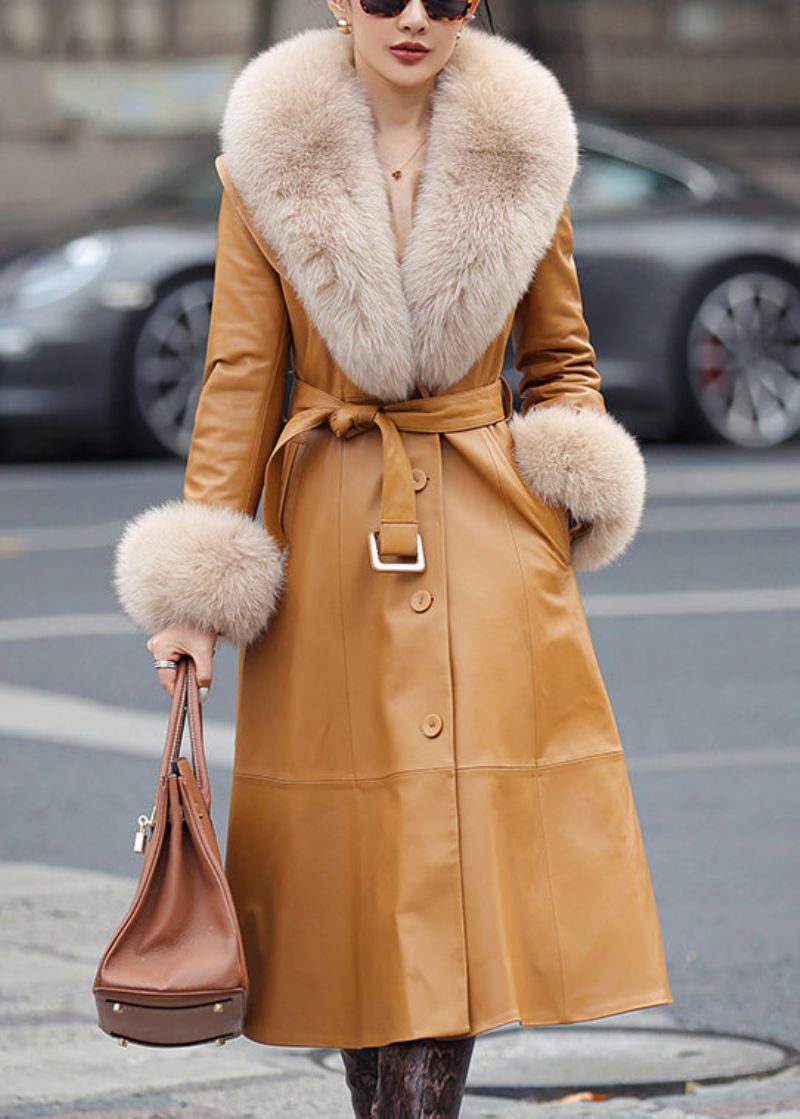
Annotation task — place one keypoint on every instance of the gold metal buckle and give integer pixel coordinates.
(417, 564)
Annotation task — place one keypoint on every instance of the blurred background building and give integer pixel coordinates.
(97, 94)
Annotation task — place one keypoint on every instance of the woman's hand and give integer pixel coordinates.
(184, 640)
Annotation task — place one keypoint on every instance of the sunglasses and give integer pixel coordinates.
(444, 10)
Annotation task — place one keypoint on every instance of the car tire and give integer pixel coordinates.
(165, 372)
(741, 358)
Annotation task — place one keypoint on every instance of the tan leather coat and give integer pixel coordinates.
(432, 830)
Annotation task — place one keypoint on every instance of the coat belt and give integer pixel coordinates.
(453, 411)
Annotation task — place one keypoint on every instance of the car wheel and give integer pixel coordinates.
(743, 360)
(167, 368)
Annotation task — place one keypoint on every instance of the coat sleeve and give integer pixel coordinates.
(206, 560)
(569, 450)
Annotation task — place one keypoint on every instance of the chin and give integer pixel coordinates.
(410, 76)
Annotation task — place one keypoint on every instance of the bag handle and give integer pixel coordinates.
(186, 706)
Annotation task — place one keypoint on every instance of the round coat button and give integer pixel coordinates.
(421, 600)
(419, 477)
(431, 725)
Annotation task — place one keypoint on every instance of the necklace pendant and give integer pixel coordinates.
(397, 174)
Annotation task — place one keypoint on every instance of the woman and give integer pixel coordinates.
(431, 829)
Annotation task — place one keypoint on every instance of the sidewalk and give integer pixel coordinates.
(54, 1061)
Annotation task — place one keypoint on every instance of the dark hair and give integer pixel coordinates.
(484, 16)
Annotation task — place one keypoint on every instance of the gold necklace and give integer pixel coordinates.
(398, 171)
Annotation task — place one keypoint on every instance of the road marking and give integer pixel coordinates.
(723, 481)
(719, 517)
(666, 476)
(62, 477)
(45, 716)
(715, 759)
(66, 625)
(58, 538)
(54, 718)
(650, 604)
(722, 518)
(743, 600)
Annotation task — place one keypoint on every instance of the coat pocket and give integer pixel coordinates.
(552, 522)
(289, 476)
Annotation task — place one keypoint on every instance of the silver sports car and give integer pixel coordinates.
(690, 276)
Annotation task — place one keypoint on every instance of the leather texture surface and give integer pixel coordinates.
(391, 882)
(174, 972)
(432, 830)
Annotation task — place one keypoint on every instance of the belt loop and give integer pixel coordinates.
(508, 397)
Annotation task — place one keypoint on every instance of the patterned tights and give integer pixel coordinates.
(419, 1079)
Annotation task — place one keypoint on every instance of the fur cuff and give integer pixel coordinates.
(588, 462)
(206, 565)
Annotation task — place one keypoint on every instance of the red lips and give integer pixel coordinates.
(409, 46)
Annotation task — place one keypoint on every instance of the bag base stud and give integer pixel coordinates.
(218, 1007)
(117, 1007)
(221, 1040)
(123, 1041)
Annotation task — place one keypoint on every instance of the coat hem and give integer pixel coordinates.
(509, 1017)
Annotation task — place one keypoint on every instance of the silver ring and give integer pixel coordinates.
(165, 664)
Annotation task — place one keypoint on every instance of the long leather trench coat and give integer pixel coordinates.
(431, 829)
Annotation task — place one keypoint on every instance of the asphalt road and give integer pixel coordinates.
(696, 630)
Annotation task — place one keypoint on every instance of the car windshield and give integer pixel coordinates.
(606, 182)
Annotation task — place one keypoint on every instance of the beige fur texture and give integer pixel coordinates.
(588, 462)
(502, 153)
(213, 567)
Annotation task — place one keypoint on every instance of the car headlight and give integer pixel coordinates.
(58, 274)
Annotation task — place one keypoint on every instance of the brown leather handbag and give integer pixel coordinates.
(174, 972)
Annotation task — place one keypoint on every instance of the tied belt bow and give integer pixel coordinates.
(398, 534)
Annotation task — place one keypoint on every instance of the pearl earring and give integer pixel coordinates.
(343, 25)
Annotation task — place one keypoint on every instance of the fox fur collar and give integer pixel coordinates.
(297, 135)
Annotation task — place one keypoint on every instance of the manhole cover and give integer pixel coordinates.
(548, 1061)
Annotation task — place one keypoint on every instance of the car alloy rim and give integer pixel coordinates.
(744, 359)
(169, 360)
